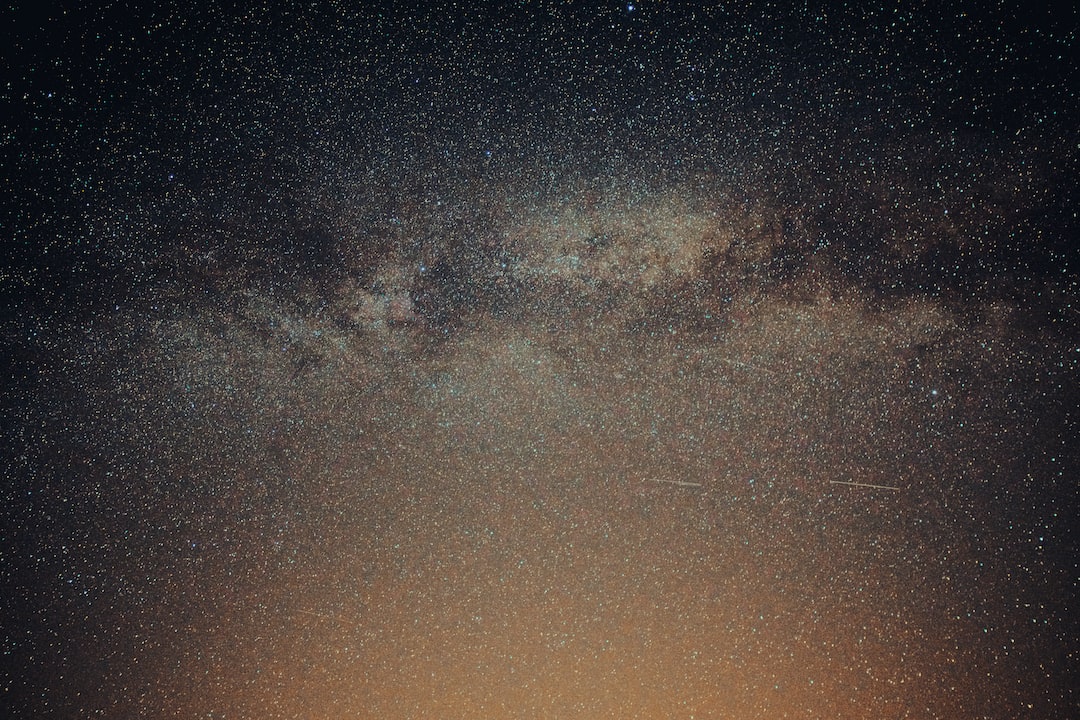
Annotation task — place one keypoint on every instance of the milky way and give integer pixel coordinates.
(548, 361)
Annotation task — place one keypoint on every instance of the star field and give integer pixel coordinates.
(540, 360)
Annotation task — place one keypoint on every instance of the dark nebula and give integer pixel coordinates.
(540, 360)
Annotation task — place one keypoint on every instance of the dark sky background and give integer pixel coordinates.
(540, 360)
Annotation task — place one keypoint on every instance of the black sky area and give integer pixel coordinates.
(539, 360)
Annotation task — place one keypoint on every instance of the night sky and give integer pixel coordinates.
(540, 360)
